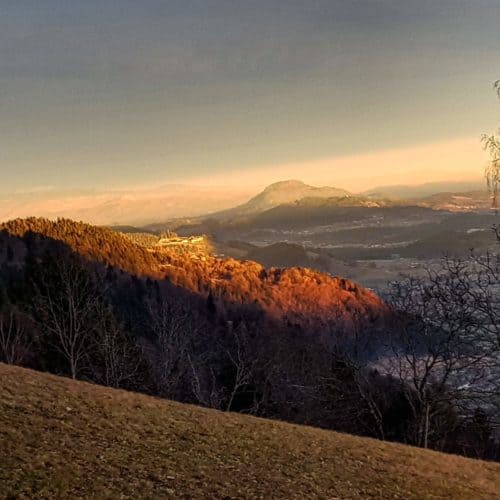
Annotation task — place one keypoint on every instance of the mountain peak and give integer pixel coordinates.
(287, 184)
(290, 191)
(282, 193)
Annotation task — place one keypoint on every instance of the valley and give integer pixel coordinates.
(371, 240)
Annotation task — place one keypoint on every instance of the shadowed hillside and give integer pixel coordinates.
(63, 439)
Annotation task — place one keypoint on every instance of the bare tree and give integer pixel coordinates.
(67, 304)
(206, 389)
(491, 143)
(352, 378)
(243, 360)
(446, 347)
(14, 339)
(172, 329)
(116, 359)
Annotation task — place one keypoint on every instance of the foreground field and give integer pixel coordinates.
(66, 439)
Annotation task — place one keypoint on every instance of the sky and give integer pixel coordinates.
(112, 94)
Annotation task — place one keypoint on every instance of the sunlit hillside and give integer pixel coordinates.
(301, 295)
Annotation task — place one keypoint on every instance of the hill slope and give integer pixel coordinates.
(301, 295)
(66, 439)
(288, 192)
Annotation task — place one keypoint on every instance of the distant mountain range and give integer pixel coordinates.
(137, 207)
(143, 206)
(423, 190)
(295, 204)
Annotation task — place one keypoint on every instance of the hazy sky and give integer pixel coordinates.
(114, 93)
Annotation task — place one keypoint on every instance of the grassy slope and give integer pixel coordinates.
(60, 438)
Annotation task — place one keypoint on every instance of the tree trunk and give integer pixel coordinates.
(426, 426)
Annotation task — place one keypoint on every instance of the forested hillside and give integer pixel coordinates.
(301, 295)
(289, 344)
(91, 242)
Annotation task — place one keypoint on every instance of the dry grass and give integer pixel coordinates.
(66, 439)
